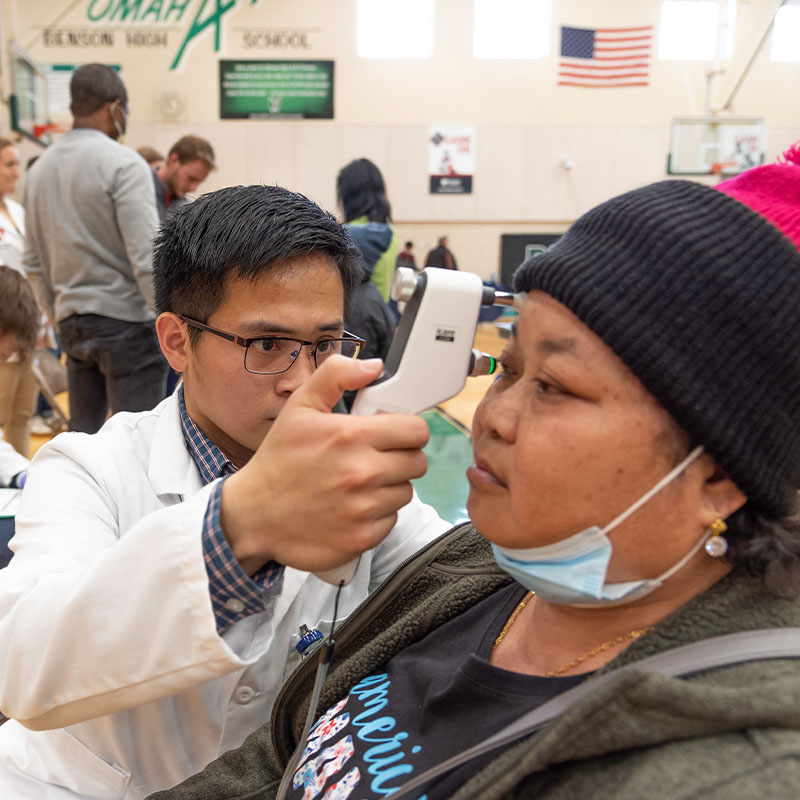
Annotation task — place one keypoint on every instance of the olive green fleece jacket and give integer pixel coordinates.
(725, 733)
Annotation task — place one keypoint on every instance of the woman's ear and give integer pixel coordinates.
(721, 497)
(173, 336)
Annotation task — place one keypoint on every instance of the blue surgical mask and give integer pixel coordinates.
(573, 571)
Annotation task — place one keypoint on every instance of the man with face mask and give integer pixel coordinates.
(88, 253)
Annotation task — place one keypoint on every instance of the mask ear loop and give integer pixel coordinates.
(118, 127)
(325, 658)
(668, 478)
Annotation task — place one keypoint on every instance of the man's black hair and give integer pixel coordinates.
(361, 192)
(92, 86)
(245, 230)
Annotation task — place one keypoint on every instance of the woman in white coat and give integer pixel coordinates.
(18, 387)
(12, 215)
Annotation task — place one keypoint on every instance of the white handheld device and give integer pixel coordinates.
(431, 354)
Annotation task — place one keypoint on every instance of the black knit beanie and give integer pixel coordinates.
(700, 297)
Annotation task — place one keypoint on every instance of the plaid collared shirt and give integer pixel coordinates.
(234, 595)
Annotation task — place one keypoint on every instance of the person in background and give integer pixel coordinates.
(152, 156)
(362, 198)
(44, 422)
(19, 323)
(91, 223)
(635, 484)
(12, 216)
(18, 387)
(188, 163)
(405, 258)
(441, 256)
(361, 194)
(19, 326)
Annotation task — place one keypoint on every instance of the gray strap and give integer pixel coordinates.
(719, 651)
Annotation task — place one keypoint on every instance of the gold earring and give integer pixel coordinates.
(717, 545)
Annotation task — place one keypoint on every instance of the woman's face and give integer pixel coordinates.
(566, 438)
(9, 169)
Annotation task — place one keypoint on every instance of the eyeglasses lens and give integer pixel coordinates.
(266, 356)
(341, 347)
(271, 355)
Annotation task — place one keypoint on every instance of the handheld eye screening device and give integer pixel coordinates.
(431, 354)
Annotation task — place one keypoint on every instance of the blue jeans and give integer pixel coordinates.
(110, 364)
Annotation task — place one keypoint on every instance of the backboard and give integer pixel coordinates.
(713, 145)
(28, 99)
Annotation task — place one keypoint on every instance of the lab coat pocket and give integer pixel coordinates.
(59, 758)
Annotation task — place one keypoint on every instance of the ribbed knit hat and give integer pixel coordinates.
(700, 297)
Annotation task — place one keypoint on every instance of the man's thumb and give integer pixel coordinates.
(338, 374)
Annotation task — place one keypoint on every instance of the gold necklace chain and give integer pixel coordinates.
(595, 651)
(511, 620)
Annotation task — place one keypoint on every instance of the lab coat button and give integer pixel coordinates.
(244, 694)
(234, 604)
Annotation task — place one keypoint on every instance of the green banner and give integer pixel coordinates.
(276, 89)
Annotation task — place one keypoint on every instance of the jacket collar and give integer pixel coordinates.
(171, 468)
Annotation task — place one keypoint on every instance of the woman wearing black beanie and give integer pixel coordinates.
(634, 492)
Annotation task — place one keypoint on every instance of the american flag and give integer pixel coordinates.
(605, 56)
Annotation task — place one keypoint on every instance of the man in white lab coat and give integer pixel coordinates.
(162, 566)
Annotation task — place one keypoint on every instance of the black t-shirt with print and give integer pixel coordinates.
(431, 701)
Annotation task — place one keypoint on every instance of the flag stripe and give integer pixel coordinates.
(576, 65)
(603, 77)
(624, 30)
(622, 38)
(601, 85)
(620, 58)
(595, 57)
(617, 49)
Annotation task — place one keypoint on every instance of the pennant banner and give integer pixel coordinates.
(605, 57)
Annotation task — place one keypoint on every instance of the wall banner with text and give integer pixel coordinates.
(276, 89)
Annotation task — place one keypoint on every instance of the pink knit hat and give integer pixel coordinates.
(773, 191)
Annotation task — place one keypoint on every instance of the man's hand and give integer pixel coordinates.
(323, 488)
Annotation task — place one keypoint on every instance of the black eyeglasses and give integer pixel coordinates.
(270, 355)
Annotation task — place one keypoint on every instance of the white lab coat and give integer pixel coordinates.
(109, 653)
(12, 239)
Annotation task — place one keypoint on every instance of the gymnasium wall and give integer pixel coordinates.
(526, 124)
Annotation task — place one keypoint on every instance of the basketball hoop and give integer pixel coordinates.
(40, 130)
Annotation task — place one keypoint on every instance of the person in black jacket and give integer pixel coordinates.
(361, 191)
(441, 256)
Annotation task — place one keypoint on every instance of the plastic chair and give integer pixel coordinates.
(52, 377)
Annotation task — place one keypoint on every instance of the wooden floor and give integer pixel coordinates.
(37, 440)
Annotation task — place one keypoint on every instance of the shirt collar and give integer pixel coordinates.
(206, 455)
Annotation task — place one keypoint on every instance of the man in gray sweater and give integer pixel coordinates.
(91, 221)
